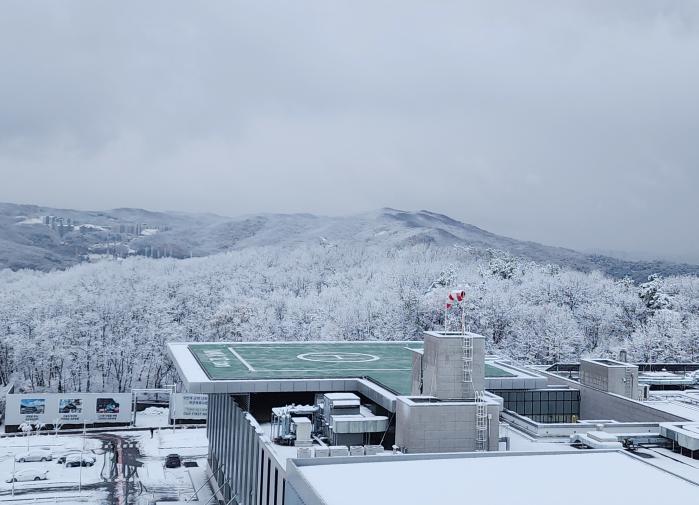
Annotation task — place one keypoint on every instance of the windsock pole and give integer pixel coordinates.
(458, 297)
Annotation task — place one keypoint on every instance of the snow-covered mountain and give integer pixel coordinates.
(44, 238)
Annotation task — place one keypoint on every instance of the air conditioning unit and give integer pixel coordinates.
(356, 450)
(304, 452)
(373, 450)
(338, 450)
(322, 452)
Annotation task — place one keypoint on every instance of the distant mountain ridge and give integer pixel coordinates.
(44, 238)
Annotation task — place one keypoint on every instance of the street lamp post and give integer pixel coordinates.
(14, 473)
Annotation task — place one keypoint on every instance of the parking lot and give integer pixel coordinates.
(128, 467)
(58, 477)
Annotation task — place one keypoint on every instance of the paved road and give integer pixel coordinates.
(123, 484)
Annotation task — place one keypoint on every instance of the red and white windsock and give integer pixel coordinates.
(456, 296)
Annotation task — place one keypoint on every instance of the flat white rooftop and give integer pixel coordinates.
(684, 404)
(545, 479)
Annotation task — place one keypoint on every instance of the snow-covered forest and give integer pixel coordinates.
(103, 326)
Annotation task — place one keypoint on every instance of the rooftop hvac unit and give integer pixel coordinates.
(338, 450)
(340, 404)
(373, 450)
(359, 424)
(356, 450)
(322, 452)
(304, 452)
(303, 429)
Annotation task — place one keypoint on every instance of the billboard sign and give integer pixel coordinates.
(32, 408)
(70, 408)
(188, 406)
(107, 408)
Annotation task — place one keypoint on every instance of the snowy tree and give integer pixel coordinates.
(104, 326)
(652, 294)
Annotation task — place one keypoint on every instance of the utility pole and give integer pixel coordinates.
(82, 450)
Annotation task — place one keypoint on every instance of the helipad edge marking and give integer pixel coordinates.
(242, 360)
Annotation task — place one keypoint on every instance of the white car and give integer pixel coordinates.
(34, 455)
(28, 475)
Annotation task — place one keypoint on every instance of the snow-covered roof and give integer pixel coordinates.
(542, 479)
(335, 397)
(688, 411)
(607, 362)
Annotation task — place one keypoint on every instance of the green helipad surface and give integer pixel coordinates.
(388, 363)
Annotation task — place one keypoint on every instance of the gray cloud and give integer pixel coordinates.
(570, 123)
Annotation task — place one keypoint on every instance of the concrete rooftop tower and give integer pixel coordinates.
(448, 409)
(451, 367)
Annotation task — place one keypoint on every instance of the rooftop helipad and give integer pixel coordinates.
(386, 363)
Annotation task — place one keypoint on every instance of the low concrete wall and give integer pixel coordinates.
(442, 426)
(540, 430)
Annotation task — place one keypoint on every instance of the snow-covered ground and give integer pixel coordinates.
(188, 443)
(180, 483)
(153, 417)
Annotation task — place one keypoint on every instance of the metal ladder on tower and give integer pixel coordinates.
(481, 422)
(467, 357)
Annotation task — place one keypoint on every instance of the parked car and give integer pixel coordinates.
(62, 459)
(78, 460)
(34, 455)
(173, 461)
(28, 474)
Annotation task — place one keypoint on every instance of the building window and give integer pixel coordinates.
(269, 475)
(262, 472)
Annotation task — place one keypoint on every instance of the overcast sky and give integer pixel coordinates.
(569, 123)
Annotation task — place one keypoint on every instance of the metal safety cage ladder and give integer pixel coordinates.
(481, 422)
(467, 357)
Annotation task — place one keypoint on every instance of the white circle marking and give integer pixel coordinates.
(338, 357)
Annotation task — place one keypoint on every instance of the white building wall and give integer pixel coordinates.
(237, 456)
